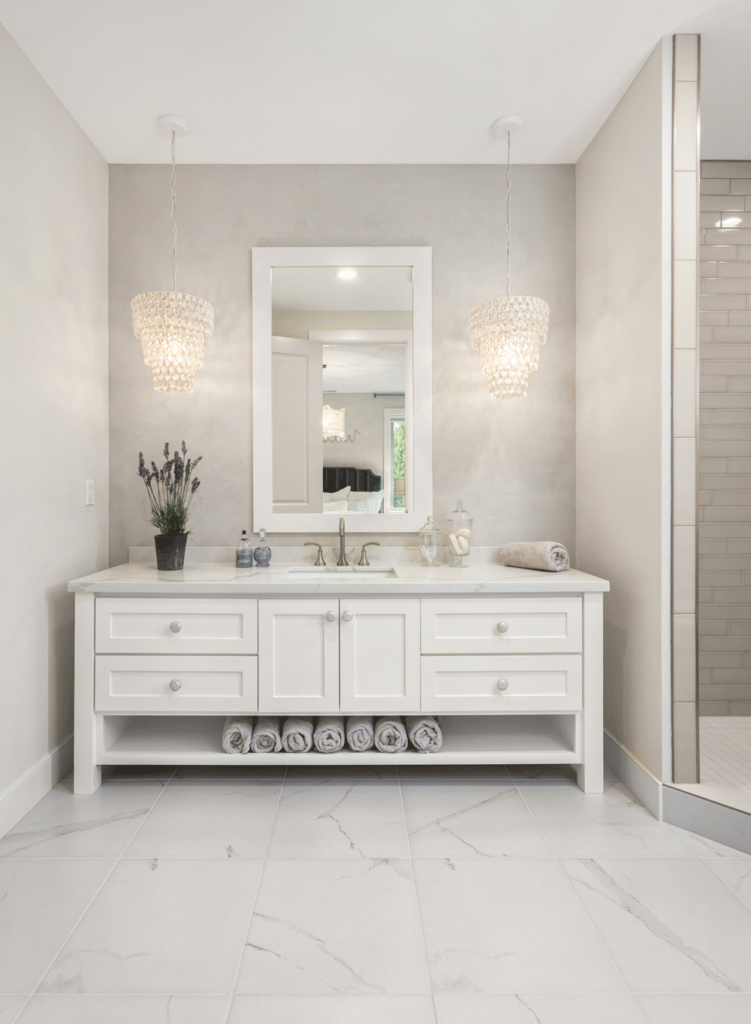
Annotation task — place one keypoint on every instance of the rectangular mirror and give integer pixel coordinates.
(342, 424)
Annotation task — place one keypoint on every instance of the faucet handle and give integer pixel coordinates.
(364, 556)
(320, 560)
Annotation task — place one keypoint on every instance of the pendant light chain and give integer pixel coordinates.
(508, 217)
(174, 221)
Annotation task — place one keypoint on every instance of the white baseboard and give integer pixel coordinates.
(634, 774)
(22, 795)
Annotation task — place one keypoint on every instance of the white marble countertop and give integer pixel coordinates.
(224, 578)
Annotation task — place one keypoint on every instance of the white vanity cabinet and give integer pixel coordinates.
(299, 656)
(323, 656)
(511, 660)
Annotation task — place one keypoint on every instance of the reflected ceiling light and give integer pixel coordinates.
(172, 327)
(346, 274)
(509, 332)
(333, 424)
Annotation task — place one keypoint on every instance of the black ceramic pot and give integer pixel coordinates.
(170, 551)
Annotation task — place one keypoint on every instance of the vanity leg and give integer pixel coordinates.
(589, 773)
(87, 774)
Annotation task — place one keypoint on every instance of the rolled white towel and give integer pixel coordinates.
(237, 733)
(390, 736)
(266, 738)
(360, 733)
(543, 554)
(424, 733)
(328, 736)
(297, 735)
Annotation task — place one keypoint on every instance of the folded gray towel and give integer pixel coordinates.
(544, 554)
(390, 736)
(237, 734)
(328, 736)
(266, 738)
(360, 733)
(424, 733)
(297, 735)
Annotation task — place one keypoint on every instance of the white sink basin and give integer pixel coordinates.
(346, 572)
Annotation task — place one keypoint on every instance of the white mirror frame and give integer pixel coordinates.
(418, 396)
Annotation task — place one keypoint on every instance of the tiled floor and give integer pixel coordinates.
(424, 896)
(725, 750)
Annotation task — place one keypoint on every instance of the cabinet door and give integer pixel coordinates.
(379, 643)
(298, 656)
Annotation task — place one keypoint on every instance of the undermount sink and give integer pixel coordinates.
(348, 572)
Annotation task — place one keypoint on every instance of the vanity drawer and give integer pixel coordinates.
(217, 686)
(501, 683)
(502, 626)
(126, 625)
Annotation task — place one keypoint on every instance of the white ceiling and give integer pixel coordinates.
(351, 369)
(356, 81)
(318, 288)
(365, 81)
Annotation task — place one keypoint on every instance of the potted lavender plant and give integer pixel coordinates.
(170, 490)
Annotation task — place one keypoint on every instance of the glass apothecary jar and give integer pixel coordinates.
(460, 535)
(430, 541)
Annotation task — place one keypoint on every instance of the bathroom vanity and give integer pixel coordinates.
(511, 659)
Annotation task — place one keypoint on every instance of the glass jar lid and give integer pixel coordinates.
(460, 513)
(430, 526)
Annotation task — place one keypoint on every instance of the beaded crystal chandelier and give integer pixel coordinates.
(172, 327)
(509, 332)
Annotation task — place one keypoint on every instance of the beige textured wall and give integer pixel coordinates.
(623, 391)
(512, 462)
(53, 402)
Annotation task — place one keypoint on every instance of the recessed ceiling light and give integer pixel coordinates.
(346, 274)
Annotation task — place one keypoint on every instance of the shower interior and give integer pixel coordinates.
(724, 620)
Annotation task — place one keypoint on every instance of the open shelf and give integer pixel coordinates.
(467, 739)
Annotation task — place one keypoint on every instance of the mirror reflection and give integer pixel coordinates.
(341, 365)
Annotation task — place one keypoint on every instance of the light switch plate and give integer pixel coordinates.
(89, 492)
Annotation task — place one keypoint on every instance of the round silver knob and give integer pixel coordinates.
(501, 685)
(330, 616)
(175, 626)
(503, 627)
(175, 684)
(347, 616)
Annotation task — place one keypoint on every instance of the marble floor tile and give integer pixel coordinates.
(332, 1010)
(321, 816)
(453, 1008)
(250, 773)
(695, 1009)
(65, 825)
(40, 903)
(75, 1008)
(737, 875)
(470, 818)
(708, 848)
(505, 925)
(671, 925)
(609, 824)
(10, 1007)
(170, 926)
(335, 926)
(217, 818)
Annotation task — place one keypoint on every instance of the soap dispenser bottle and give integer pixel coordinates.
(244, 552)
(262, 553)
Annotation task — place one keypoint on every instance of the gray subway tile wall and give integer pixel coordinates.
(725, 440)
